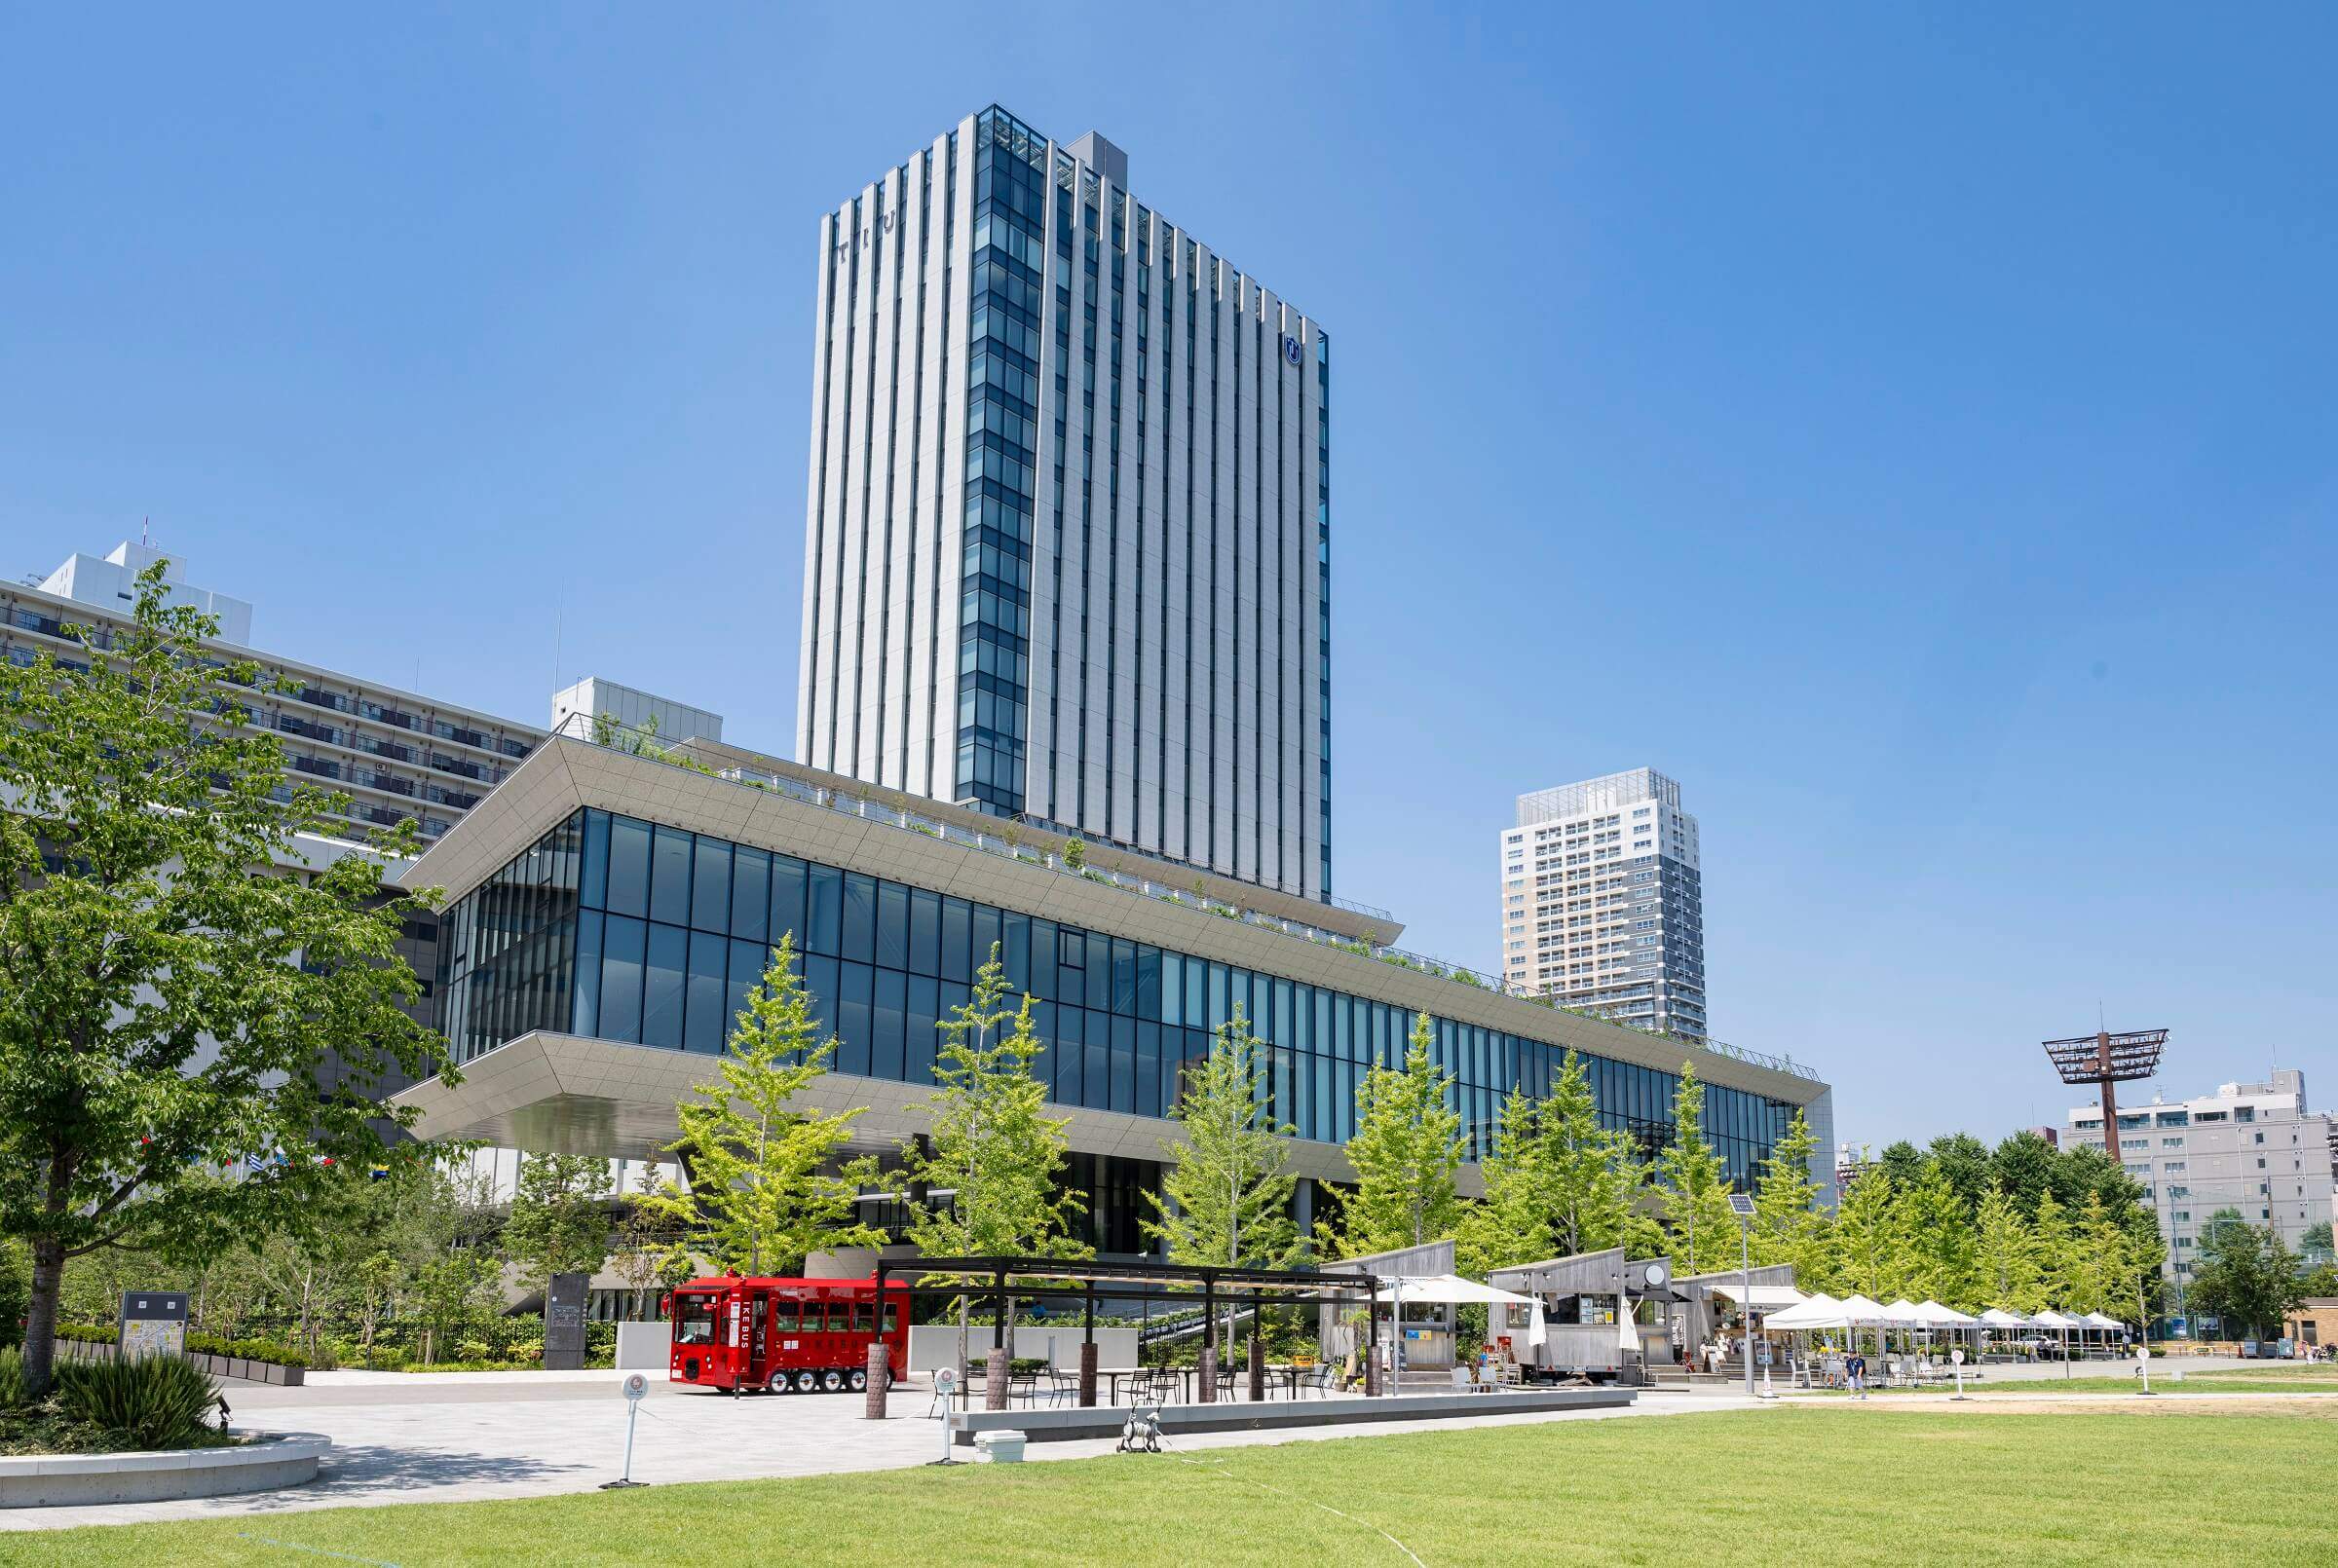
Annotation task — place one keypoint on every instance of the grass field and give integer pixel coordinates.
(1829, 1485)
(2259, 1378)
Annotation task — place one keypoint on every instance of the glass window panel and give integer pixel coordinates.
(621, 975)
(1096, 1070)
(670, 876)
(1324, 1123)
(958, 919)
(751, 895)
(888, 1022)
(925, 1011)
(823, 908)
(1099, 989)
(584, 1015)
(594, 892)
(787, 900)
(1124, 1066)
(1071, 1053)
(1015, 943)
(1216, 1014)
(707, 1023)
(661, 985)
(1173, 988)
(1148, 1068)
(925, 932)
(893, 925)
(859, 918)
(710, 887)
(1124, 978)
(1197, 987)
(748, 960)
(628, 867)
(1284, 1035)
(1045, 940)
(852, 1028)
(819, 984)
(986, 936)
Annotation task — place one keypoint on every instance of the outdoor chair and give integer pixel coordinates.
(1024, 1385)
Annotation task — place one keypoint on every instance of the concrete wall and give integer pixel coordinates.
(645, 1346)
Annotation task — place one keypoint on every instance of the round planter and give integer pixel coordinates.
(272, 1460)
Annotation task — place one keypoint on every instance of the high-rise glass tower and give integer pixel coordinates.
(1067, 523)
(1602, 904)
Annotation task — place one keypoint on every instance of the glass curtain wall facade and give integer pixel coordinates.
(627, 930)
(1002, 425)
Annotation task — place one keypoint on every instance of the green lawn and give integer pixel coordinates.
(2260, 1378)
(1784, 1485)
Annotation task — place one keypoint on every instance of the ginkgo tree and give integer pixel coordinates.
(1406, 1152)
(767, 1188)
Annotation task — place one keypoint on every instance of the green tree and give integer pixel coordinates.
(1407, 1149)
(2245, 1275)
(1225, 1194)
(2005, 1264)
(1788, 1226)
(764, 1193)
(1906, 1161)
(1870, 1237)
(1964, 1161)
(2055, 1248)
(2314, 1245)
(1692, 1187)
(1593, 1173)
(1513, 1222)
(166, 1003)
(991, 1144)
(2023, 1167)
(559, 1220)
(1940, 1242)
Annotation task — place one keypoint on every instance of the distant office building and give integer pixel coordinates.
(1603, 905)
(1068, 542)
(593, 698)
(2252, 1147)
(2053, 1136)
(395, 753)
(110, 583)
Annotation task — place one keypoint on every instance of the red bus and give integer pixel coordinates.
(784, 1336)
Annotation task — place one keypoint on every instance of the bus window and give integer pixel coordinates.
(893, 1316)
(786, 1316)
(815, 1317)
(861, 1317)
(693, 1320)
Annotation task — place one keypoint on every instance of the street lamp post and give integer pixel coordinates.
(1742, 1205)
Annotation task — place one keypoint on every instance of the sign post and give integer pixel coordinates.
(1956, 1359)
(154, 1323)
(564, 1323)
(2143, 1367)
(635, 1387)
(1741, 1204)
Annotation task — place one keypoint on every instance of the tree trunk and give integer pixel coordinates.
(40, 1314)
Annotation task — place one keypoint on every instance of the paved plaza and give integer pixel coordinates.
(458, 1436)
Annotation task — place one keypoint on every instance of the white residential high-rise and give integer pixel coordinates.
(1603, 907)
(1067, 523)
(2251, 1147)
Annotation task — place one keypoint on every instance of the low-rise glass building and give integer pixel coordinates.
(608, 914)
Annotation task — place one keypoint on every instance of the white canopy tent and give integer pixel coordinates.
(1765, 1298)
(1820, 1311)
(1999, 1318)
(1452, 1289)
(2097, 1319)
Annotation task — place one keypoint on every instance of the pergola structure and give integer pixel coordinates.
(1008, 1280)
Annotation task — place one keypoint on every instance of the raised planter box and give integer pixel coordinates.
(66, 1481)
(250, 1371)
(1065, 1423)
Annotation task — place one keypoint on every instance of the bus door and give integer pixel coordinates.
(759, 1309)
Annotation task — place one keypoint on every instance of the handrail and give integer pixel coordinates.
(615, 737)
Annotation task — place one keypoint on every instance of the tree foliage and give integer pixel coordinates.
(1692, 1187)
(1406, 1150)
(1225, 1191)
(559, 1220)
(1788, 1226)
(178, 965)
(765, 1188)
(2245, 1275)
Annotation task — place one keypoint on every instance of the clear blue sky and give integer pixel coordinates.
(1912, 428)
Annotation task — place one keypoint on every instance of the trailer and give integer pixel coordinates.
(740, 1335)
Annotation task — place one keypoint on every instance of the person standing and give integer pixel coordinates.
(1855, 1366)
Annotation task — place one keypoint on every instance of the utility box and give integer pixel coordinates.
(154, 1323)
(1000, 1447)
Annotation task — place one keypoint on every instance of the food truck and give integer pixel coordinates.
(783, 1336)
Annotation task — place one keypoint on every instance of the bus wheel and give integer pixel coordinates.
(806, 1380)
(778, 1384)
(831, 1381)
(857, 1380)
